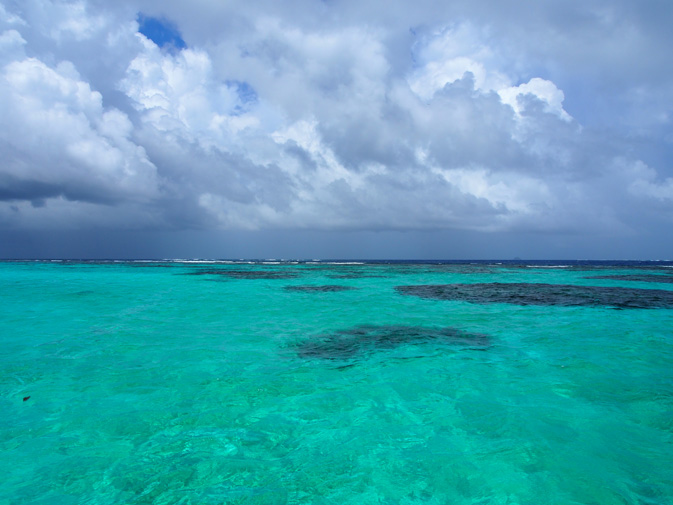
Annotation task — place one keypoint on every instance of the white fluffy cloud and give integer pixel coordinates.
(307, 120)
(60, 141)
(178, 94)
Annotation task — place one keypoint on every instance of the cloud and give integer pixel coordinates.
(445, 56)
(542, 89)
(178, 94)
(60, 142)
(332, 117)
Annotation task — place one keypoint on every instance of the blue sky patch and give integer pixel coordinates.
(246, 94)
(161, 31)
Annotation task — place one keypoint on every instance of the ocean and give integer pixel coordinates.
(318, 382)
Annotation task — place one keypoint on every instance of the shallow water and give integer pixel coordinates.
(262, 384)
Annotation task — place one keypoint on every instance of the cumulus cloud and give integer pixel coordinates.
(542, 89)
(61, 142)
(447, 55)
(301, 118)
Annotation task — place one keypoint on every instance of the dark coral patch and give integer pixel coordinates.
(356, 276)
(544, 294)
(138, 264)
(247, 274)
(638, 278)
(319, 289)
(367, 339)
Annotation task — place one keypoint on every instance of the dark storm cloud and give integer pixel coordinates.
(13, 189)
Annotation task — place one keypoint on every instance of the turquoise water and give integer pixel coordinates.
(162, 383)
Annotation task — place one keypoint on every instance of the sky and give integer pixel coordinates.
(470, 129)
